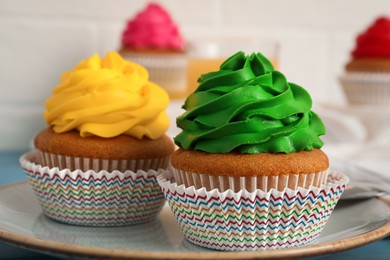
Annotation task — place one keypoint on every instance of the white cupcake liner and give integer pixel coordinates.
(85, 163)
(366, 88)
(158, 60)
(258, 220)
(265, 183)
(94, 198)
(167, 70)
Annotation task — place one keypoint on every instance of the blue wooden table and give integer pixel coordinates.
(11, 172)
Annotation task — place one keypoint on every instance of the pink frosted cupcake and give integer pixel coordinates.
(152, 39)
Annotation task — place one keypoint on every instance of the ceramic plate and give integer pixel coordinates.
(352, 224)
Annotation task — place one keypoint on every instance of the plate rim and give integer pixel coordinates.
(64, 249)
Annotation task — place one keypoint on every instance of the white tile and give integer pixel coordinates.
(35, 53)
(183, 11)
(109, 37)
(187, 12)
(20, 123)
(309, 14)
(85, 9)
(341, 46)
(303, 60)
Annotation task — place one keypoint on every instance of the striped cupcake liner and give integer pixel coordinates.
(94, 198)
(366, 88)
(77, 163)
(265, 183)
(247, 221)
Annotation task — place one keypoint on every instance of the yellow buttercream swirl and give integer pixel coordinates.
(108, 97)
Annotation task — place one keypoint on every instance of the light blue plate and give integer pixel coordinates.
(353, 223)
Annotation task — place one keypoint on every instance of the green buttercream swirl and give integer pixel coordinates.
(248, 107)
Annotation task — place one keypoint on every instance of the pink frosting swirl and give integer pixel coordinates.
(152, 28)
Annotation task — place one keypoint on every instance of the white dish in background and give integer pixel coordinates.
(22, 223)
(341, 127)
(375, 119)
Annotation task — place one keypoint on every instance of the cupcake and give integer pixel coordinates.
(153, 39)
(97, 161)
(250, 173)
(367, 77)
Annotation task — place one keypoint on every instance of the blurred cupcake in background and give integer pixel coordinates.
(367, 77)
(153, 39)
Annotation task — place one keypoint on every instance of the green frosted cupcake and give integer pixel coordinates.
(250, 174)
(245, 126)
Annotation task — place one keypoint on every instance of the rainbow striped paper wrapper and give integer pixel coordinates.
(236, 183)
(258, 220)
(85, 164)
(94, 198)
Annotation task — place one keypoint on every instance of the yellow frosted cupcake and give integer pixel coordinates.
(97, 162)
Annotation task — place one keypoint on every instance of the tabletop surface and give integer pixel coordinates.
(10, 172)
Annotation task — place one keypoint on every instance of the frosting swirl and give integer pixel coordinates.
(152, 28)
(248, 107)
(108, 97)
(375, 41)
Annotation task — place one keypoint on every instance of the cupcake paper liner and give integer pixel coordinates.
(365, 88)
(94, 198)
(240, 221)
(85, 164)
(167, 70)
(265, 183)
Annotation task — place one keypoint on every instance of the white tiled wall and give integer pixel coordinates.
(39, 39)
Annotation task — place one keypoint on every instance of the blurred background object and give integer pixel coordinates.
(41, 39)
(207, 54)
(366, 80)
(153, 39)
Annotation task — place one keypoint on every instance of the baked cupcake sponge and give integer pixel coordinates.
(250, 171)
(119, 148)
(237, 164)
